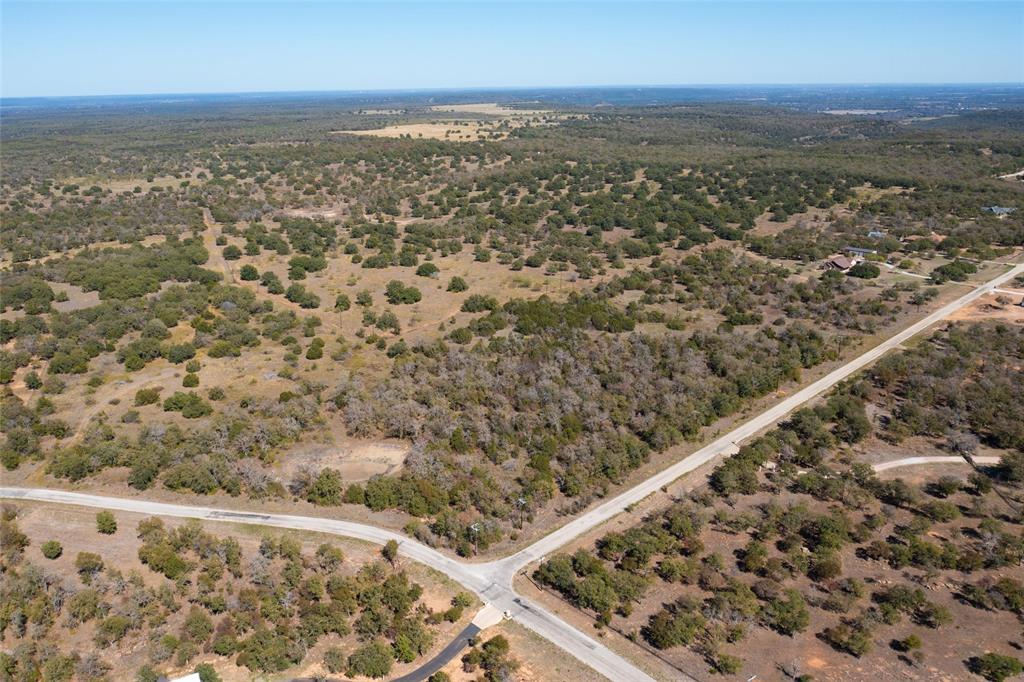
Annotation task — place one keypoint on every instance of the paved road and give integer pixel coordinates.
(727, 444)
(937, 459)
(453, 649)
(492, 581)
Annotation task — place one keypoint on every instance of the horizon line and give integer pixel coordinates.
(513, 88)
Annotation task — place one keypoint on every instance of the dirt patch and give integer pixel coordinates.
(356, 460)
(78, 298)
(994, 306)
(489, 108)
(455, 131)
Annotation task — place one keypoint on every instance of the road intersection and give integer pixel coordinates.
(493, 581)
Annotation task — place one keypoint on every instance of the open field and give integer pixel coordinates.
(471, 323)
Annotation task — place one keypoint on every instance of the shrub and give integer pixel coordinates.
(400, 294)
(106, 523)
(232, 252)
(995, 667)
(178, 353)
(427, 270)
(249, 273)
(787, 616)
(190, 380)
(88, 564)
(457, 285)
(334, 660)
(342, 303)
(112, 629)
(477, 303)
(190, 405)
(854, 640)
(52, 549)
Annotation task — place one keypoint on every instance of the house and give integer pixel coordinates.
(857, 251)
(999, 210)
(876, 234)
(841, 263)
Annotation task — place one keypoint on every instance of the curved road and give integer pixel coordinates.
(492, 581)
(441, 659)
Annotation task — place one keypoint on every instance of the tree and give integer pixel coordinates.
(371, 660)
(207, 673)
(106, 523)
(198, 626)
(854, 640)
(327, 488)
(32, 381)
(995, 667)
(342, 303)
(329, 557)
(399, 294)
(249, 273)
(787, 616)
(864, 270)
(493, 657)
(232, 252)
(390, 551)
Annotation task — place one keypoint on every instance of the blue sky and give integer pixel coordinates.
(94, 48)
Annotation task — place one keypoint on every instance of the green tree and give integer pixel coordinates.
(399, 294)
(864, 270)
(326, 489)
(207, 673)
(371, 660)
